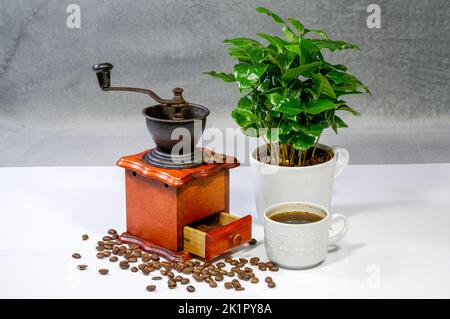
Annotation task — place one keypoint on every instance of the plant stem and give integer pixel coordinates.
(299, 157)
(315, 145)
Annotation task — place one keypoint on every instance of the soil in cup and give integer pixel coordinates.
(295, 217)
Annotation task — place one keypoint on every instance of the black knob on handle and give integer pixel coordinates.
(103, 71)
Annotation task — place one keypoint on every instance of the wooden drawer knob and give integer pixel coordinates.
(236, 239)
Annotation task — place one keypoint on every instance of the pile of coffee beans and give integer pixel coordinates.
(231, 272)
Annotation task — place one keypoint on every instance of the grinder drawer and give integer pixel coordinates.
(217, 234)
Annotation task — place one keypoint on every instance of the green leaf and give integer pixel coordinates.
(223, 76)
(244, 118)
(288, 106)
(245, 103)
(242, 41)
(302, 141)
(333, 45)
(274, 40)
(312, 129)
(319, 106)
(288, 34)
(301, 70)
(338, 123)
(309, 51)
(297, 25)
(294, 48)
(346, 81)
(316, 31)
(323, 86)
(248, 76)
(248, 53)
(271, 14)
(348, 109)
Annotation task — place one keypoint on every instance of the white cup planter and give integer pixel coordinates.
(276, 184)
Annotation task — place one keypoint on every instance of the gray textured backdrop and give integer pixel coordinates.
(52, 112)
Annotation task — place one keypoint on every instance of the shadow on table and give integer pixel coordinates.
(338, 252)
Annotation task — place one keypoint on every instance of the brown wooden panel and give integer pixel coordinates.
(227, 237)
(151, 210)
(201, 198)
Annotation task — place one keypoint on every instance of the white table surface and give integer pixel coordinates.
(398, 244)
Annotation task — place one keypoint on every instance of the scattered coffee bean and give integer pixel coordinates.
(157, 278)
(100, 256)
(268, 279)
(254, 261)
(100, 243)
(103, 271)
(85, 237)
(100, 248)
(212, 284)
(254, 280)
(82, 267)
(235, 283)
(124, 264)
(239, 288)
(228, 285)
(107, 253)
(151, 288)
(253, 241)
(190, 288)
(134, 269)
(76, 256)
(185, 281)
(113, 259)
(274, 268)
(218, 278)
(112, 231)
(271, 284)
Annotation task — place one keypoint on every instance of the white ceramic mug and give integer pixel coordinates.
(300, 245)
(276, 184)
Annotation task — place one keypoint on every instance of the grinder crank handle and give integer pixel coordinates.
(103, 71)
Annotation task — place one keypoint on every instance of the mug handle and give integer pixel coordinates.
(335, 238)
(342, 159)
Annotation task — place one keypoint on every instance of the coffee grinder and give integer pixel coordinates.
(177, 201)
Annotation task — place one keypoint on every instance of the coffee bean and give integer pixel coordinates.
(107, 253)
(112, 231)
(274, 268)
(119, 242)
(230, 274)
(271, 284)
(113, 259)
(185, 281)
(100, 248)
(76, 256)
(268, 279)
(239, 288)
(262, 267)
(218, 278)
(132, 259)
(254, 261)
(190, 288)
(103, 271)
(106, 238)
(212, 284)
(124, 265)
(221, 265)
(178, 278)
(228, 285)
(253, 241)
(100, 243)
(100, 256)
(85, 237)
(172, 284)
(114, 236)
(235, 283)
(156, 278)
(134, 269)
(82, 267)
(151, 288)
(243, 260)
(187, 270)
(254, 280)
